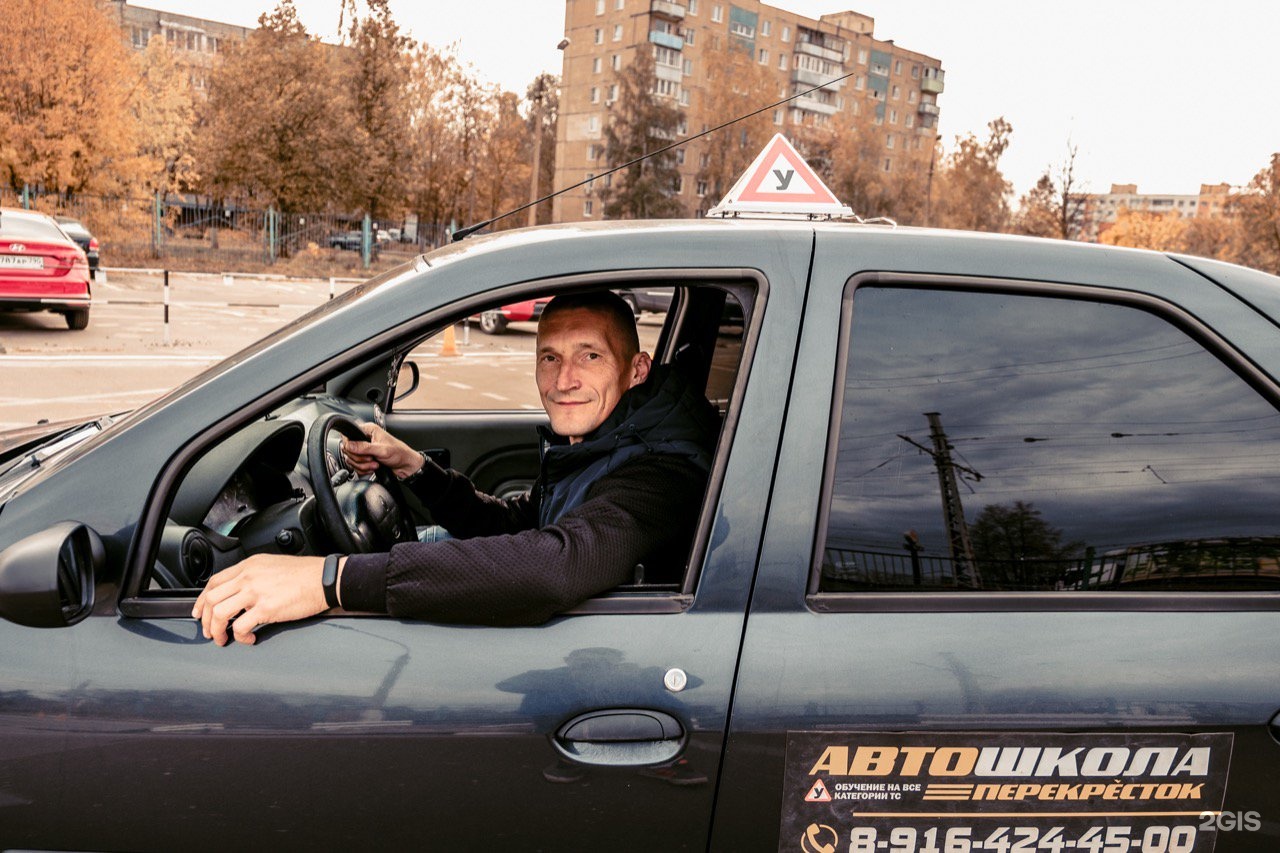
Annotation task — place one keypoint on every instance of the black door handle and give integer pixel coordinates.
(621, 737)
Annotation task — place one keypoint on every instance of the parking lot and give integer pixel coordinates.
(126, 357)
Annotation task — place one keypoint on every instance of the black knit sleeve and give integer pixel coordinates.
(457, 506)
(645, 510)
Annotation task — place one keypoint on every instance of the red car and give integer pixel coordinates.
(41, 268)
(495, 322)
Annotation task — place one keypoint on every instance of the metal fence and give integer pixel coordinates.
(192, 228)
(1193, 564)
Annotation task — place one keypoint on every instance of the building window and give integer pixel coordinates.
(620, 5)
(764, 57)
(593, 124)
(911, 96)
(679, 184)
(593, 152)
(717, 13)
(617, 32)
(897, 66)
(599, 7)
(595, 95)
(682, 128)
(862, 56)
(896, 92)
(613, 92)
(599, 35)
(893, 116)
(684, 97)
(766, 28)
(915, 72)
(777, 117)
(693, 7)
(687, 35)
(617, 62)
(782, 62)
(786, 33)
(888, 165)
(704, 161)
(688, 67)
(588, 207)
(702, 188)
(595, 65)
(859, 82)
(911, 120)
(742, 30)
(141, 36)
(679, 156)
(890, 142)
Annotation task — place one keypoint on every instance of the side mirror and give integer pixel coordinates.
(46, 580)
(407, 379)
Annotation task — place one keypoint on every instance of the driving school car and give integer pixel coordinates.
(988, 560)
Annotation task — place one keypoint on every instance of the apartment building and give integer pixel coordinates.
(1101, 208)
(197, 43)
(895, 88)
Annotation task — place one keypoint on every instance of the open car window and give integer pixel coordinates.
(470, 402)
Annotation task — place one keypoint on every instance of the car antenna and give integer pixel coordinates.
(463, 233)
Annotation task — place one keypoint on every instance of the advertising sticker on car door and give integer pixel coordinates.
(882, 792)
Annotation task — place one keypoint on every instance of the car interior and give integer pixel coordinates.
(256, 489)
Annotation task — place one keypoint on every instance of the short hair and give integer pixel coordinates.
(605, 302)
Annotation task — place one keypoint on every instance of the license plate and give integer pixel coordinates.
(21, 262)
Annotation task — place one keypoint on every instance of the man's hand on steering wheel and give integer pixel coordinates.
(382, 448)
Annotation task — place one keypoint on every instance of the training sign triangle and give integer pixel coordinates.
(818, 793)
(779, 181)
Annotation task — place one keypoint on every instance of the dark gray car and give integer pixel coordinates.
(988, 555)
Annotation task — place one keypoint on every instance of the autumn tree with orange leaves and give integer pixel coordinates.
(66, 85)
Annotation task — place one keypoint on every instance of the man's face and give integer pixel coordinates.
(583, 370)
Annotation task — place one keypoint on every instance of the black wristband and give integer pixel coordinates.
(329, 579)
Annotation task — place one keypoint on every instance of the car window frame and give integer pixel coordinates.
(749, 286)
(1040, 600)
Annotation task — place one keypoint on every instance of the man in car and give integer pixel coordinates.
(624, 466)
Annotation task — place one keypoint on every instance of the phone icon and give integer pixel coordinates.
(819, 838)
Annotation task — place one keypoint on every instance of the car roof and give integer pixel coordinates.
(852, 246)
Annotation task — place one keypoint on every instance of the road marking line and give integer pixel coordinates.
(148, 393)
(110, 359)
(459, 386)
(493, 396)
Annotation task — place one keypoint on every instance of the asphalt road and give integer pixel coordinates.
(126, 358)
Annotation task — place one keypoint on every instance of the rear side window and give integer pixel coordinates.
(993, 441)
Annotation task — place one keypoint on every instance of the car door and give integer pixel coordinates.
(602, 729)
(1021, 593)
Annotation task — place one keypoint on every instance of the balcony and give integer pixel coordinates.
(813, 105)
(927, 109)
(667, 72)
(817, 78)
(931, 84)
(666, 40)
(811, 49)
(674, 11)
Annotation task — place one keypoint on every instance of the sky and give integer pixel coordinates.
(1165, 94)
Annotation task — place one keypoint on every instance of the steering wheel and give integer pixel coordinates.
(359, 515)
